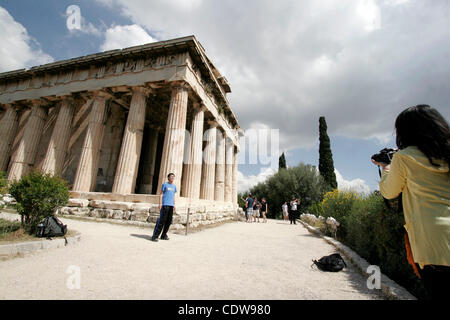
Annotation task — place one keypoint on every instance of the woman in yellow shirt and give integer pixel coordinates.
(420, 171)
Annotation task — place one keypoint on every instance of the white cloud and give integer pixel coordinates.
(245, 183)
(370, 14)
(18, 50)
(358, 63)
(357, 185)
(396, 2)
(119, 37)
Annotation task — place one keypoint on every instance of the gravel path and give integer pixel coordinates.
(233, 261)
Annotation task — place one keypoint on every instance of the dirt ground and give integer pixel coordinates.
(262, 261)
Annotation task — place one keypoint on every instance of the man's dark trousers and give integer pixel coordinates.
(292, 216)
(164, 221)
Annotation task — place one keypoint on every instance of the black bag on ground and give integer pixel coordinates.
(332, 263)
(51, 227)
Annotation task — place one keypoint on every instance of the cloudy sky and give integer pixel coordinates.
(359, 63)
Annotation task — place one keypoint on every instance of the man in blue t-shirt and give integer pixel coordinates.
(166, 208)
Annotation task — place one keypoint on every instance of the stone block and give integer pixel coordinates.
(97, 204)
(78, 203)
(64, 210)
(95, 213)
(79, 211)
(127, 215)
(115, 205)
(139, 216)
(176, 219)
(182, 219)
(117, 214)
(139, 198)
(194, 224)
(141, 206)
(154, 209)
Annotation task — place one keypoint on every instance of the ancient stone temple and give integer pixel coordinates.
(114, 124)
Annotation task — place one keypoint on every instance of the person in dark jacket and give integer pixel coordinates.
(264, 209)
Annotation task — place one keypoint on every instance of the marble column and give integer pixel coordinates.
(130, 152)
(235, 176)
(23, 158)
(8, 130)
(193, 169)
(229, 153)
(173, 149)
(209, 163)
(86, 174)
(59, 141)
(219, 192)
(148, 167)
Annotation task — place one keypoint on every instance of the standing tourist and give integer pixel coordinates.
(420, 172)
(264, 209)
(293, 213)
(256, 207)
(285, 209)
(249, 206)
(166, 208)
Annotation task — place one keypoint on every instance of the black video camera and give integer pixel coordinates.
(384, 156)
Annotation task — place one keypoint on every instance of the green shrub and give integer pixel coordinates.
(338, 204)
(38, 195)
(374, 231)
(315, 209)
(360, 223)
(389, 237)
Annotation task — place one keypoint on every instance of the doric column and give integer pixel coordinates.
(130, 152)
(229, 153)
(219, 194)
(209, 163)
(57, 148)
(23, 159)
(193, 169)
(86, 174)
(8, 129)
(235, 176)
(148, 167)
(173, 149)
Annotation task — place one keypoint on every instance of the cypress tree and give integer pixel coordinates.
(326, 165)
(282, 162)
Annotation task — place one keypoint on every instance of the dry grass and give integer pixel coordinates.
(11, 231)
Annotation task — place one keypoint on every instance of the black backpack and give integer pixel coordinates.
(332, 263)
(51, 227)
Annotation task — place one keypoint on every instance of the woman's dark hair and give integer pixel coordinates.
(424, 127)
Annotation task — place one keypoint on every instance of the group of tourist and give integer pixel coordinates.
(254, 209)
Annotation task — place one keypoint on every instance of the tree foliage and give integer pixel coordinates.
(326, 165)
(302, 181)
(282, 162)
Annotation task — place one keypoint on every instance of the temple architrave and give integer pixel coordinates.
(115, 124)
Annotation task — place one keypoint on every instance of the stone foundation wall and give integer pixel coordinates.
(145, 209)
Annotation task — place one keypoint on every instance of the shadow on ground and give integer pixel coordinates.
(142, 236)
